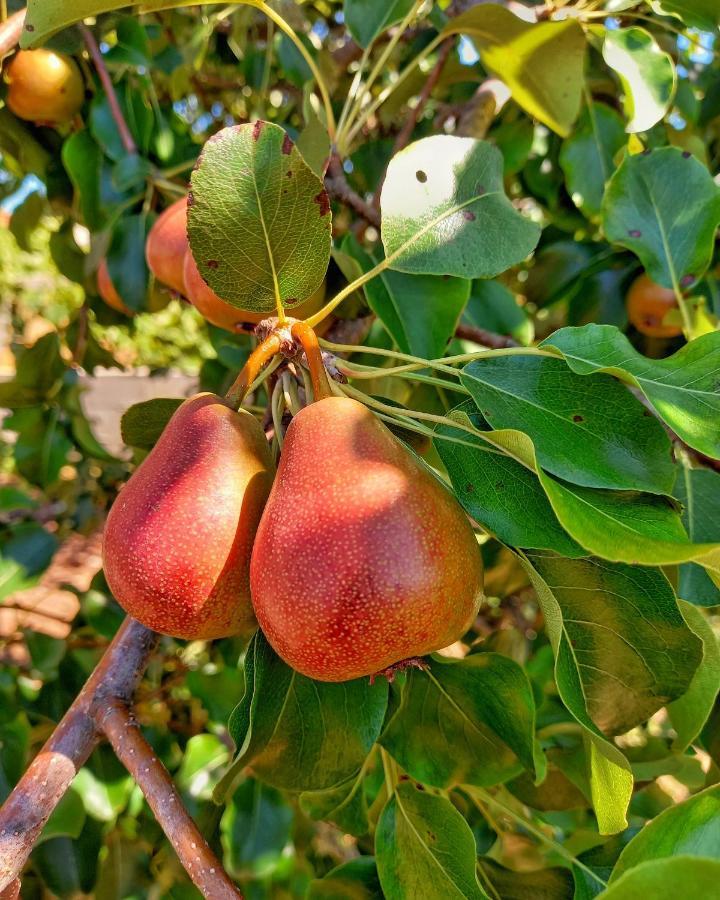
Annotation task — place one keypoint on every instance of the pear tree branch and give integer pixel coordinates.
(126, 138)
(102, 709)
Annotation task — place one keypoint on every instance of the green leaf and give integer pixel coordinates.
(499, 492)
(679, 876)
(202, 763)
(26, 218)
(699, 492)
(646, 73)
(690, 828)
(468, 722)
(42, 445)
(543, 884)
(366, 19)
(611, 780)
(542, 63)
(587, 156)
(313, 141)
(493, 307)
(91, 175)
(143, 423)
(626, 526)
(45, 17)
(445, 212)
(300, 734)
(420, 312)
(255, 829)
(681, 388)
(627, 644)
(690, 712)
(126, 260)
(259, 219)
(354, 880)
(424, 848)
(664, 206)
(703, 14)
(67, 819)
(345, 805)
(588, 431)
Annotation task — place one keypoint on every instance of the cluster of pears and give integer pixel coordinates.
(352, 557)
(168, 256)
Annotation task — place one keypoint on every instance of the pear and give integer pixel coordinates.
(222, 314)
(178, 538)
(362, 558)
(44, 87)
(167, 244)
(107, 290)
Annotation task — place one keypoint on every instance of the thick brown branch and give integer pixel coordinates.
(486, 338)
(10, 31)
(192, 849)
(337, 186)
(127, 139)
(38, 792)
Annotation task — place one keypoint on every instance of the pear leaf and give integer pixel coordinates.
(646, 73)
(259, 219)
(445, 212)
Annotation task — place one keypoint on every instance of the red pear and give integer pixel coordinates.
(166, 245)
(179, 536)
(363, 558)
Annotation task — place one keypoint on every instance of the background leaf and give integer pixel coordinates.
(542, 63)
(646, 73)
(366, 19)
(424, 848)
(466, 722)
(664, 206)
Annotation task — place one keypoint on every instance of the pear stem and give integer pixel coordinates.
(308, 339)
(261, 355)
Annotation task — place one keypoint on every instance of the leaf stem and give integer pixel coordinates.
(382, 97)
(319, 80)
(377, 69)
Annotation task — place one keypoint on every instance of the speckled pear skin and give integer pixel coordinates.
(179, 536)
(362, 558)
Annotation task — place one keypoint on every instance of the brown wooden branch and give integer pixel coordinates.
(38, 792)
(337, 186)
(10, 31)
(486, 338)
(103, 709)
(137, 756)
(126, 138)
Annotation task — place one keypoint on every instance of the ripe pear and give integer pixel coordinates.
(178, 538)
(167, 244)
(107, 290)
(362, 559)
(44, 87)
(222, 314)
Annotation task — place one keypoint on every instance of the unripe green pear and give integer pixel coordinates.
(178, 538)
(363, 558)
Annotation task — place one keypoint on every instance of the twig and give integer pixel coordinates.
(192, 849)
(337, 186)
(126, 138)
(103, 708)
(38, 792)
(406, 131)
(10, 31)
(486, 338)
